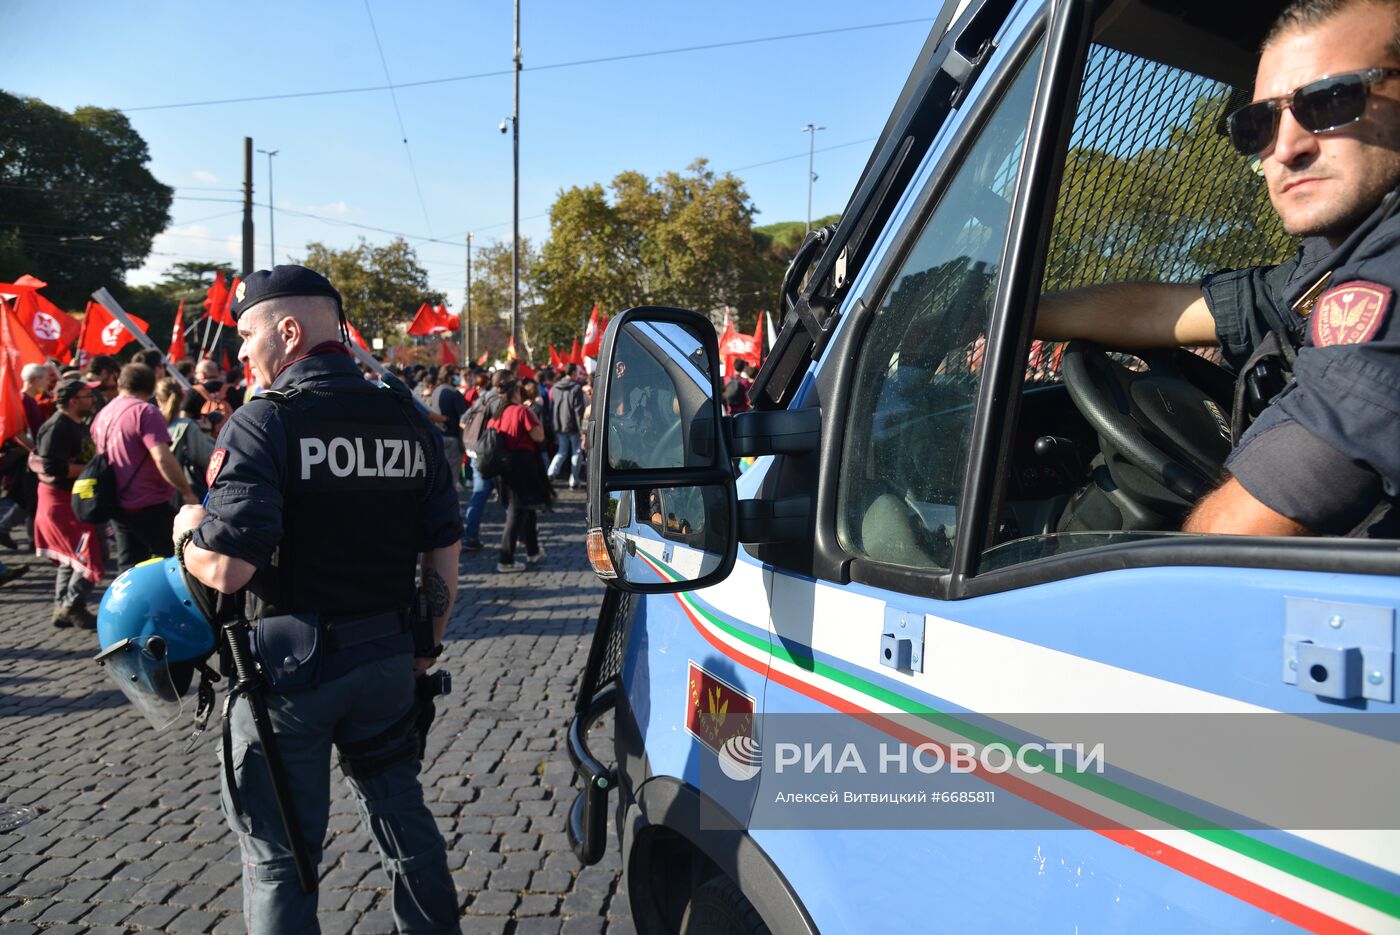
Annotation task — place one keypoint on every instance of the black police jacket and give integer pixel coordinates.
(331, 486)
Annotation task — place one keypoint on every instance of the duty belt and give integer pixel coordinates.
(342, 633)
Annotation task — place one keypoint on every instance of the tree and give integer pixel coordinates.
(1169, 212)
(380, 286)
(491, 296)
(680, 239)
(81, 208)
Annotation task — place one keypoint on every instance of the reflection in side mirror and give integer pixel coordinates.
(666, 534)
(660, 399)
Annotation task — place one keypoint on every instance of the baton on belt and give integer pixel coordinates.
(248, 683)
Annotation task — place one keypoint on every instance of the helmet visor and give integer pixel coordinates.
(140, 670)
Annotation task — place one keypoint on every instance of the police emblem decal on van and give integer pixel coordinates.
(716, 712)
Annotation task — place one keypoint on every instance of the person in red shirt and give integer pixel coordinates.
(524, 488)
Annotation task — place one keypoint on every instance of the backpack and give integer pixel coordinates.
(95, 494)
(474, 423)
(492, 458)
(213, 404)
(96, 498)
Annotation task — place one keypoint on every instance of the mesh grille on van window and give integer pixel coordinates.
(1152, 189)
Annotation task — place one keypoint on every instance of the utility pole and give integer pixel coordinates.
(468, 339)
(515, 214)
(247, 205)
(811, 176)
(271, 230)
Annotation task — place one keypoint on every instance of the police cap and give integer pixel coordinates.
(279, 281)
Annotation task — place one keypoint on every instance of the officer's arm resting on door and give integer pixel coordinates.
(1324, 455)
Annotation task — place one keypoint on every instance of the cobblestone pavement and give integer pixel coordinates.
(130, 836)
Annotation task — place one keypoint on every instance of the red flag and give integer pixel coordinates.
(177, 335)
(485, 356)
(446, 354)
(525, 371)
(103, 334)
(593, 335)
(576, 355)
(356, 336)
(452, 321)
(555, 360)
(427, 321)
(758, 335)
(735, 345)
(12, 417)
(52, 328)
(216, 300)
(223, 361)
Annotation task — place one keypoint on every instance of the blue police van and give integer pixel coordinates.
(950, 530)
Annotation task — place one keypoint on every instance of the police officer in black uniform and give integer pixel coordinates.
(323, 495)
(1324, 456)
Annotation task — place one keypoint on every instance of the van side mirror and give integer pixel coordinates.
(661, 499)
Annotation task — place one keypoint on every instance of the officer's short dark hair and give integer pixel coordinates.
(150, 357)
(102, 364)
(137, 379)
(1305, 14)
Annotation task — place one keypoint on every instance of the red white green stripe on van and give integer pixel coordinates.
(1320, 898)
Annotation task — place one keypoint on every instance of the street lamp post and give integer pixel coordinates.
(811, 176)
(515, 210)
(271, 232)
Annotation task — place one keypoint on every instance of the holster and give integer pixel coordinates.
(421, 625)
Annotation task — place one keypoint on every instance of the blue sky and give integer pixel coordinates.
(341, 156)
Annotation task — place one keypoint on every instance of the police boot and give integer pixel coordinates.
(60, 617)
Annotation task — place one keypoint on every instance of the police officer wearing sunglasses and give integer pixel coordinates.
(323, 494)
(1323, 454)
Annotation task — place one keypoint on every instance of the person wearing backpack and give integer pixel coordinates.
(131, 434)
(474, 422)
(736, 389)
(567, 402)
(523, 486)
(62, 448)
(189, 443)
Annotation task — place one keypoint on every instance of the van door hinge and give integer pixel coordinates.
(902, 640)
(1338, 650)
(964, 70)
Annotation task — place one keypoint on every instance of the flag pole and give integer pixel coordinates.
(104, 298)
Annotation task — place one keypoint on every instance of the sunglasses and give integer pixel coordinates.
(1318, 106)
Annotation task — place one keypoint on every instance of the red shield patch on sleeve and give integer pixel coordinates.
(216, 463)
(1351, 313)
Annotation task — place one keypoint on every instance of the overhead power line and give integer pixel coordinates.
(546, 67)
(403, 134)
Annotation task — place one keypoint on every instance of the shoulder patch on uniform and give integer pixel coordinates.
(1351, 313)
(216, 463)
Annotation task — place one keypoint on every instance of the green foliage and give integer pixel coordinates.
(680, 239)
(1171, 212)
(491, 296)
(80, 206)
(782, 239)
(380, 285)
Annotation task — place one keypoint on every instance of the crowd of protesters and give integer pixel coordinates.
(157, 453)
(159, 437)
(538, 416)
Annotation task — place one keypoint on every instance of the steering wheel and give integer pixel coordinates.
(1171, 421)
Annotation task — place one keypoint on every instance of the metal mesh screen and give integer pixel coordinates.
(1152, 189)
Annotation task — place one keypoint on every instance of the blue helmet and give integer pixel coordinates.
(153, 638)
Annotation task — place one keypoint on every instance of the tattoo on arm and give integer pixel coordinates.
(436, 590)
